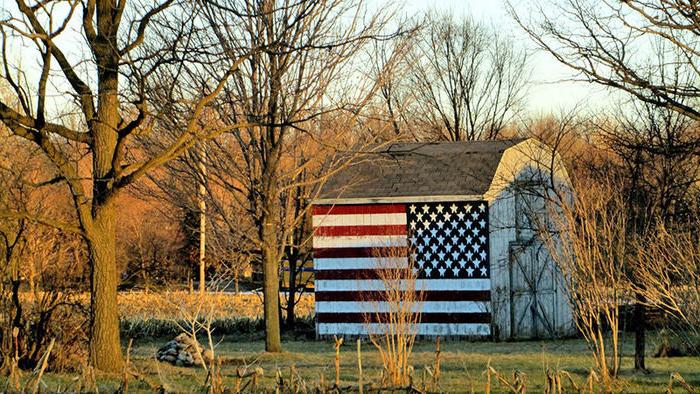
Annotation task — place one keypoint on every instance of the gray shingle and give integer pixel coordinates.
(418, 169)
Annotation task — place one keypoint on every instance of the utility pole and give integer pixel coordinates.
(201, 199)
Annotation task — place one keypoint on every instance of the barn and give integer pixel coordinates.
(464, 213)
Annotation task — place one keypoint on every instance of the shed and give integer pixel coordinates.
(464, 214)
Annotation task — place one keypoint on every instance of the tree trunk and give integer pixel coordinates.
(292, 288)
(270, 264)
(105, 346)
(639, 336)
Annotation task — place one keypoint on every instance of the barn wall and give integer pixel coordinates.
(502, 233)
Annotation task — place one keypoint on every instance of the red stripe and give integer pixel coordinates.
(456, 295)
(446, 318)
(361, 274)
(358, 209)
(392, 251)
(336, 231)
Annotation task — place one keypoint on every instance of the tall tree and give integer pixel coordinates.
(297, 78)
(468, 79)
(131, 54)
(646, 49)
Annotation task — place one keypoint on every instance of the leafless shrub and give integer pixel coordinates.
(590, 247)
(393, 325)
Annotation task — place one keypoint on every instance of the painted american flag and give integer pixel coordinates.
(449, 253)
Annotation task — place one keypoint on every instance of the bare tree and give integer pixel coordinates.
(288, 88)
(136, 53)
(590, 246)
(468, 79)
(647, 50)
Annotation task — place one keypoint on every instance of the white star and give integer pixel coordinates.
(469, 239)
(415, 271)
(426, 223)
(462, 263)
(433, 216)
(470, 271)
(413, 240)
(455, 271)
(419, 216)
(441, 255)
(469, 255)
(482, 223)
(447, 216)
(433, 231)
(462, 247)
(468, 223)
(455, 254)
(420, 247)
(428, 255)
(440, 223)
(425, 208)
(413, 208)
(475, 247)
(482, 239)
(455, 239)
(482, 207)
(420, 231)
(483, 271)
(440, 239)
(453, 208)
(461, 231)
(413, 224)
(475, 231)
(483, 255)
(475, 215)
(433, 248)
(460, 215)
(439, 208)
(442, 271)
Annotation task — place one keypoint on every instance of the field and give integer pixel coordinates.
(463, 364)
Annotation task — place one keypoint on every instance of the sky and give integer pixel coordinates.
(552, 90)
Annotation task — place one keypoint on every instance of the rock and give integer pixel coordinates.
(184, 351)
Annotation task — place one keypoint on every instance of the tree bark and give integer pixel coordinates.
(273, 341)
(105, 345)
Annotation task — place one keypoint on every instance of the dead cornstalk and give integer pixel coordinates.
(436, 368)
(338, 343)
(359, 366)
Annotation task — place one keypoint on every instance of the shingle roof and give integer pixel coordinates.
(405, 169)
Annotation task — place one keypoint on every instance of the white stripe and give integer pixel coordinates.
(373, 219)
(370, 307)
(360, 241)
(421, 284)
(358, 263)
(471, 329)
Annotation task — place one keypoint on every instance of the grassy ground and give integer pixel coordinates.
(463, 364)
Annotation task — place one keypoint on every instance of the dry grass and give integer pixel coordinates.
(466, 366)
(167, 305)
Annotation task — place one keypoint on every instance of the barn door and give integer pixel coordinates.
(533, 291)
(533, 279)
